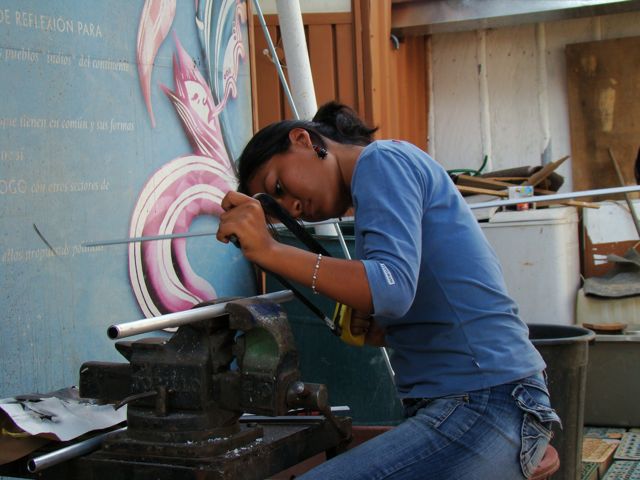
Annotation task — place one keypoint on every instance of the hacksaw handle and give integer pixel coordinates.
(342, 319)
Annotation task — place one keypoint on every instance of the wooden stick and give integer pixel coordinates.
(482, 191)
(544, 172)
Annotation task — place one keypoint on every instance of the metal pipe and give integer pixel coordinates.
(484, 97)
(47, 460)
(176, 319)
(556, 196)
(301, 78)
(299, 68)
(296, 53)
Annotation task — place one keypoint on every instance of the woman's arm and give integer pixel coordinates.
(345, 281)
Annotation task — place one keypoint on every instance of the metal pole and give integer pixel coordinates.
(555, 196)
(47, 460)
(182, 318)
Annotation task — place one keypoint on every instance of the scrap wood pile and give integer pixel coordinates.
(543, 179)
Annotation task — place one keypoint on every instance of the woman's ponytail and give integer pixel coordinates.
(341, 124)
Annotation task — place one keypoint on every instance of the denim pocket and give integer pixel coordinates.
(536, 425)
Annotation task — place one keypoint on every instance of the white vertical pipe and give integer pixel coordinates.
(483, 85)
(297, 57)
(299, 68)
(543, 97)
(431, 114)
(303, 92)
(597, 28)
(274, 59)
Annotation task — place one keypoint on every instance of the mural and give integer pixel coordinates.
(119, 119)
(194, 184)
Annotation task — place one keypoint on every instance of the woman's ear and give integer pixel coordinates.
(299, 136)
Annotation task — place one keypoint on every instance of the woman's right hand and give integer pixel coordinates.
(244, 222)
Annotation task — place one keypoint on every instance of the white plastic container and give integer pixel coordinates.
(540, 256)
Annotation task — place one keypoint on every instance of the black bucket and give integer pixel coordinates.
(565, 349)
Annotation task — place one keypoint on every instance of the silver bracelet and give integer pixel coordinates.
(314, 277)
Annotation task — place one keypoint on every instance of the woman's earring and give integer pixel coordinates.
(320, 151)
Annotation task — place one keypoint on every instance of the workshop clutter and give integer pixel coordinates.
(222, 394)
(520, 182)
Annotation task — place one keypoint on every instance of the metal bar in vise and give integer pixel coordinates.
(36, 464)
(176, 319)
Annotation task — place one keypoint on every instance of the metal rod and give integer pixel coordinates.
(169, 236)
(47, 460)
(176, 319)
(274, 56)
(147, 238)
(293, 415)
(556, 196)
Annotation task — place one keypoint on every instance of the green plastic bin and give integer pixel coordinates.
(355, 376)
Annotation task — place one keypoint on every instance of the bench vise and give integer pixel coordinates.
(188, 396)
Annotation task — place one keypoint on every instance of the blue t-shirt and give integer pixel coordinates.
(436, 283)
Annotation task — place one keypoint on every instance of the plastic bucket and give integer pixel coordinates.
(565, 349)
(356, 377)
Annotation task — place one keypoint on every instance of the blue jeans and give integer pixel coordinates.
(496, 433)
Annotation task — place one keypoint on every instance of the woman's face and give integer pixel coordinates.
(309, 187)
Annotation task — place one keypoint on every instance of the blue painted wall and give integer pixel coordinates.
(68, 76)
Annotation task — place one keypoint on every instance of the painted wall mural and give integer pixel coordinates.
(194, 184)
(118, 119)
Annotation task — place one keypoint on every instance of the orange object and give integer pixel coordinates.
(549, 465)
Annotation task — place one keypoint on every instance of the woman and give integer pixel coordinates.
(425, 283)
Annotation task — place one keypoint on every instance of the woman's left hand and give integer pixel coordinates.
(364, 324)
(244, 221)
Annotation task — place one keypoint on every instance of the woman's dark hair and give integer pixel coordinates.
(333, 120)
